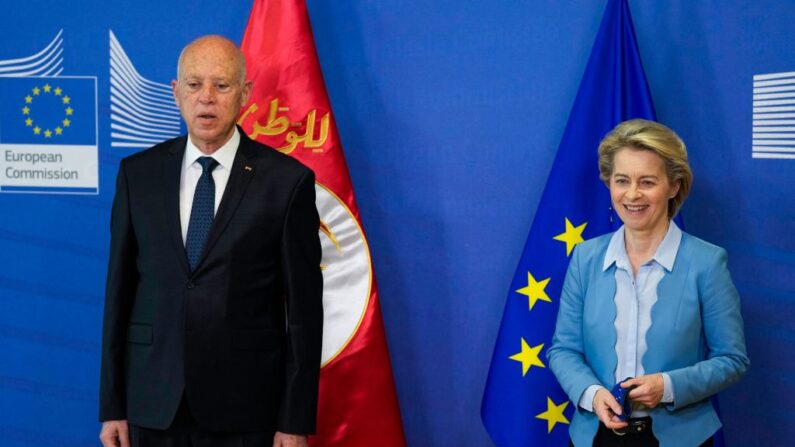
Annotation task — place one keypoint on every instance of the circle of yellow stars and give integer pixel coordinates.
(37, 92)
(536, 291)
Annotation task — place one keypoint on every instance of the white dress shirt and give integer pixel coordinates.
(634, 299)
(191, 171)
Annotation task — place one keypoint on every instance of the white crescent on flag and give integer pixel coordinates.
(347, 273)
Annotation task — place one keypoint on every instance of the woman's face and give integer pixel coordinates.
(640, 190)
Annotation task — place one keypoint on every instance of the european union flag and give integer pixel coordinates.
(523, 404)
(48, 110)
(48, 135)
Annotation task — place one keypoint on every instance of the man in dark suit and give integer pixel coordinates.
(213, 314)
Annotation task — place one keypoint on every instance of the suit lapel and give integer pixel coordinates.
(239, 178)
(671, 287)
(665, 312)
(172, 171)
(604, 311)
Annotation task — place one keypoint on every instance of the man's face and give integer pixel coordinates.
(210, 93)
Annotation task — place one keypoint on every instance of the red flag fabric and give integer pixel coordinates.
(289, 110)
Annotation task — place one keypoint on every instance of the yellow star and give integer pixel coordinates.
(47, 88)
(572, 236)
(58, 91)
(69, 110)
(554, 414)
(66, 99)
(66, 122)
(37, 130)
(528, 357)
(25, 110)
(28, 99)
(36, 91)
(47, 133)
(534, 290)
(28, 122)
(58, 131)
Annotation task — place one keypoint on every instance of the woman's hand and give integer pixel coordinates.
(649, 389)
(606, 408)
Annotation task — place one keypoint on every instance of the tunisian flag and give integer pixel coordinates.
(289, 110)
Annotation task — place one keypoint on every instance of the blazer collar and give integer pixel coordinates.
(673, 283)
(172, 169)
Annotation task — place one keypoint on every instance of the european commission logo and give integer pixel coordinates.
(48, 125)
(773, 133)
(48, 134)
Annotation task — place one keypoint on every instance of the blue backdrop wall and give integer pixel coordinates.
(450, 113)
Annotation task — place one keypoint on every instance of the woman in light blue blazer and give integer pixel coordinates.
(649, 303)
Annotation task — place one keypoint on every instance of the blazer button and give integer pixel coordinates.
(190, 284)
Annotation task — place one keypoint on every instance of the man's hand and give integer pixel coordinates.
(649, 389)
(115, 434)
(606, 408)
(286, 440)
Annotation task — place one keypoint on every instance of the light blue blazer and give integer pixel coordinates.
(696, 336)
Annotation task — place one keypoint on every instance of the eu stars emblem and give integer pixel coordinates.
(47, 97)
(48, 134)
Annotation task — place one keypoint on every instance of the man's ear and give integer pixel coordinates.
(248, 86)
(174, 91)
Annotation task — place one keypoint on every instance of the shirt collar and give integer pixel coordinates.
(225, 155)
(615, 250)
(665, 255)
(666, 252)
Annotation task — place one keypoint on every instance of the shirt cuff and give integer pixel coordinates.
(668, 389)
(586, 400)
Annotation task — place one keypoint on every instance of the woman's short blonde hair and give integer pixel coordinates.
(646, 135)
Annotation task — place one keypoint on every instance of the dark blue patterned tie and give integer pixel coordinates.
(202, 212)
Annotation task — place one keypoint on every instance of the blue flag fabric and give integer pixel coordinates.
(523, 405)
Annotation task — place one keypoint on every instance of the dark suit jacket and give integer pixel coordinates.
(241, 334)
